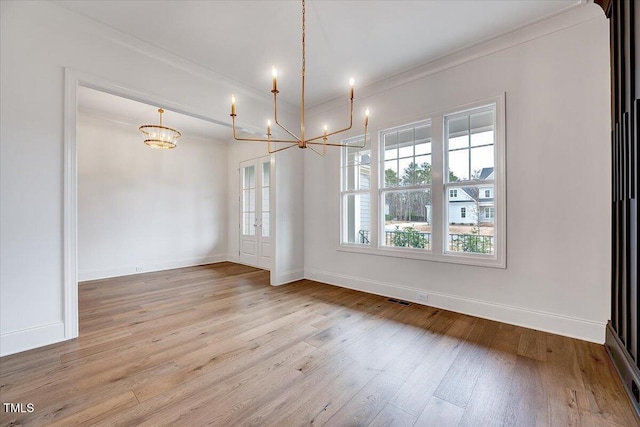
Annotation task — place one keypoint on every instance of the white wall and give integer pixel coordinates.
(37, 41)
(557, 144)
(145, 208)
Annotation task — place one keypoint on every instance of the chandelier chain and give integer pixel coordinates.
(303, 36)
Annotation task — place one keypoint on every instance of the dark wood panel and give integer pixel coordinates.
(623, 336)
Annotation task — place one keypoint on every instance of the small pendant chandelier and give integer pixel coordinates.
(301, 141)
(159, 136)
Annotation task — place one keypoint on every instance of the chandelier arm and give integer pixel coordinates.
(288, 141)
(275, 117)
(281, 149)
(324, 151)
(335, 144)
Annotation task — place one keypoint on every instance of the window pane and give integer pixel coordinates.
(350, 178)
(391, 178)
(351, 157)
(364, 177)
(423, 133)
(357, 219)
(412, 149)
(390, 146)
(405, 137)
(423, 148)
(471, 220)
(458, 165)
(481, 161)
(365, 157)
(424, 170)
(482, 138)
(357, 177)
(458, 132)
(482, 122)
(406, 169)
(407, 219)
(405, 151)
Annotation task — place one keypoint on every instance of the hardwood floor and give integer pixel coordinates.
(216, 345)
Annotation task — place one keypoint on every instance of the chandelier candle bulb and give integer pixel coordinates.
(274, 73)
(268, 127)
(351, 83)
(366, 117)
(233, 105)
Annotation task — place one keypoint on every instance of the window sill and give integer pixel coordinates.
(475, 260)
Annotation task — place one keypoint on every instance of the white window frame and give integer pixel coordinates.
(382, 190)
(463, 212)
(439, 190)
(453, 193)
(344, 192)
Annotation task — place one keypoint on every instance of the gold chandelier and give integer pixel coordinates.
(301, 141)
(159, 136)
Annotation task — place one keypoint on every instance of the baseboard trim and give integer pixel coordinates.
(286, 277)
(27, 339)
(582, 329)
(147, 268)
(624, 365)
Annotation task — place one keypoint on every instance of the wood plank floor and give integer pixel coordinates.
(216, 345)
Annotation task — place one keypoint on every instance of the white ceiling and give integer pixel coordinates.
(369, 40)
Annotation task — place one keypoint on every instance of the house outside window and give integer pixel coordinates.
(355, 193)
(453, 193)
(487, 193)
(463, 212)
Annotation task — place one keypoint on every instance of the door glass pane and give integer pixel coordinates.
(266, 171)
(249, 177)
(266, 224)
(249, 219)
(264, 202)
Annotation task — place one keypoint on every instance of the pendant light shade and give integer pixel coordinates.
(159, 136)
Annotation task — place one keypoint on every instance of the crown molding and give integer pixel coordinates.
(574, 15)
(111, 34)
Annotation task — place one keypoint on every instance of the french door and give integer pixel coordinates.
(256, 246)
